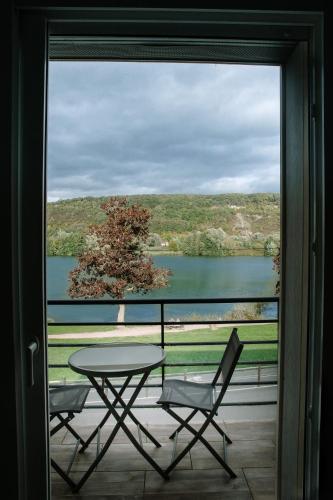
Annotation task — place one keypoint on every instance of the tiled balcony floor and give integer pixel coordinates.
(124, 474)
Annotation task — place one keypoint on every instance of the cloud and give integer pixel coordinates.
(264, 181)
(130, 128)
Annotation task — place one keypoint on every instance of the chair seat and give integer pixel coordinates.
(68, 398)
(189, 394)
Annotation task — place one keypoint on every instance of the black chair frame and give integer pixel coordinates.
(64, 422)
(233, 351)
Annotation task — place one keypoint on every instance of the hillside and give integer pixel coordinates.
(224, 224)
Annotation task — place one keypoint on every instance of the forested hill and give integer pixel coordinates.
(224, 224)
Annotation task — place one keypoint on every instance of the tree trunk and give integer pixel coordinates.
(121, 314)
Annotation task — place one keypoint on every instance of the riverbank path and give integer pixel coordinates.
(134, 331)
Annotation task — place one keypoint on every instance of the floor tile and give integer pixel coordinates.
(195, 482)
(251, 430)
(102, 483)
(225, 495)
(239, 454)
(261, 481)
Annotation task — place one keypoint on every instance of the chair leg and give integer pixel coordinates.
(65, 423)
(63, 474)
(218, 428)
(76, 435)
(191, 415)
(61, 424)
(197, 437)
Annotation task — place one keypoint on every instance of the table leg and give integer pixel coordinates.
(120, 424)
(106, 416)
(130, 414)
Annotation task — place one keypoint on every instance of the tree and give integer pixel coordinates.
(192, 244)
(209, 242)
(270, 246)
(154, 240)
(65, 243)
(213, 241)
(114, 261)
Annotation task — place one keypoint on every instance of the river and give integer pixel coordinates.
(192, 277)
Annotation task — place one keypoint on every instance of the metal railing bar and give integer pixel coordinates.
(89, 344)
(166, 323)
(248, 342)
(207, 363)
(223, 322)
(170, 344)
(253, 382)
(267, 321)
(193, 363)
(219, 300)
(155, 386)
(105, 323)
(248, 403)
(162, 337)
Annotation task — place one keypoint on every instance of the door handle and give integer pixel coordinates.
(32, 349)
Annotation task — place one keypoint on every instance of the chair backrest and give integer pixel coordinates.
(228, 363)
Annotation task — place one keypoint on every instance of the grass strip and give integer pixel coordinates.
(179, 354)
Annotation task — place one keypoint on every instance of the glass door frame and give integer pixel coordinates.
(298, 437)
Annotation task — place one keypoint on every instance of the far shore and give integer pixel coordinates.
(234, 252)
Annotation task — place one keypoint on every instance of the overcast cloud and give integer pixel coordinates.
(136, 128)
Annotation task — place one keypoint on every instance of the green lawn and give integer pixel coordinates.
(178, 354)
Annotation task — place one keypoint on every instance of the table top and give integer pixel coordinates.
(116, 360)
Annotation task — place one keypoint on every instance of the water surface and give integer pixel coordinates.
(192, 277)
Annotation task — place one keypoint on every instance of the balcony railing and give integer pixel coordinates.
(163, 324)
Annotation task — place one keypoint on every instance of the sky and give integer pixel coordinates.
(122, 128)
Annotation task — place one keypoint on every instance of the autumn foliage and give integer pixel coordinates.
(113, 261)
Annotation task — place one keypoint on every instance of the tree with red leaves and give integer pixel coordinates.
(114, 261)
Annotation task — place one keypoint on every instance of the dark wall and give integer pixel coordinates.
(8, 348)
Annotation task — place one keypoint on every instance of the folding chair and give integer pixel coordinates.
(68, 399)
(201, 397)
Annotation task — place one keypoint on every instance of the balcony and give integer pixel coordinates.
(247, 413)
